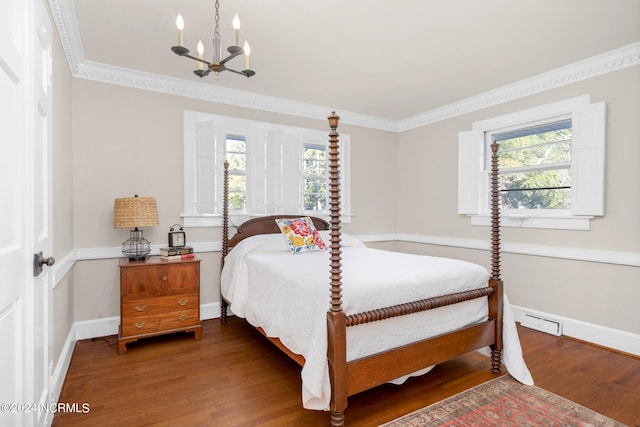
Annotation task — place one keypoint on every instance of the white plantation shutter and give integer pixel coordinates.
(274, 167)
(256, 140)
(470, 171)
(209, 146)
(291, 200)
(273, 172)
(588, 160)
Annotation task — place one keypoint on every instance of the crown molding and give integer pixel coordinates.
(64, 16)
(592, 67)
(169, 85)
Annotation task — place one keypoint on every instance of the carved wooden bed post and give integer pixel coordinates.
(336, 323)
(495, 305)
(225, 235)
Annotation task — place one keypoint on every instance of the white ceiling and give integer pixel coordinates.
(390, 60)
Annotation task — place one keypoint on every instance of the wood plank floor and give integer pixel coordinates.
(235, 377)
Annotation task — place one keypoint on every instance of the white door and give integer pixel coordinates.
(15, 238)
(40, 66)
(23, 301)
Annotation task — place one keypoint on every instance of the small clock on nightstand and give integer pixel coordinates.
(177, 238)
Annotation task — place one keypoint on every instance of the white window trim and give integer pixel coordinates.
(587, 168)
(284, 141)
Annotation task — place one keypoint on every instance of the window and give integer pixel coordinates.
(551, 166)
(236, 155)
(316, 177)
(273, 169)
(535, 167)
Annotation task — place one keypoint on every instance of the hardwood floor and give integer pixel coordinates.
(235, 377)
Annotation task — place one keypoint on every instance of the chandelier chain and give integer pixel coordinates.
(216, 32)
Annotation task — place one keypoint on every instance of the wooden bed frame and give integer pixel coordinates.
(349, 378)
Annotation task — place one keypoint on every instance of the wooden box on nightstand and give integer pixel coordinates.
(158, 297)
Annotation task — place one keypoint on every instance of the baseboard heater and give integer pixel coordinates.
(553, 327)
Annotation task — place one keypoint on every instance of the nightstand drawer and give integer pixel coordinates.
(179, 319)
(140, 325)
(159, 305)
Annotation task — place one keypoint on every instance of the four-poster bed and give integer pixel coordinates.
(469, 313)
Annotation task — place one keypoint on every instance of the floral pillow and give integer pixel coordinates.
(301, 234)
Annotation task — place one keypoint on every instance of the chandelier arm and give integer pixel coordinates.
(233, 55)
(196, 59)
(180, 50)
(246, 73)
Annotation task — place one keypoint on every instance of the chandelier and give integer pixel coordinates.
(217, 64)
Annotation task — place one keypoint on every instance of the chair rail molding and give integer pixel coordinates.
(575, 254)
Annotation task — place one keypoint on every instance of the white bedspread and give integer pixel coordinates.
(288, 296)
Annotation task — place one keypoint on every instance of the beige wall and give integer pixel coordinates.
(428, 157)
(603, 294)
(112, 141)
(128, 141)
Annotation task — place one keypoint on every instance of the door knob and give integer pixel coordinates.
(39, 260)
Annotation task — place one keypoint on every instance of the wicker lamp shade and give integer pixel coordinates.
(135, 212)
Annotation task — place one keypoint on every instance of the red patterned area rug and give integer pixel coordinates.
(504, 402)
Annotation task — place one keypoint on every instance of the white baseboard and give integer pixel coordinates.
(62, 365)
(210, 311)
(600, 335)
(88, 329)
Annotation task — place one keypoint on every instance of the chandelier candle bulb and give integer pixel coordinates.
(236, 29)
(180, 25)
(247, 57)
(200, 53)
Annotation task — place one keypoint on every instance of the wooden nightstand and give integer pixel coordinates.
(158, 297)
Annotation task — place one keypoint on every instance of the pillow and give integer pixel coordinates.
(301, 234)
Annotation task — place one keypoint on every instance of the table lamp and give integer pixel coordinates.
(135, 212)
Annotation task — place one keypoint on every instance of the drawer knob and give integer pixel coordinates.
(183, 301)
(183, 317)
(141, 307)
(140, 325)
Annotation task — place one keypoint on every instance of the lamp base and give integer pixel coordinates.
(136, 247)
